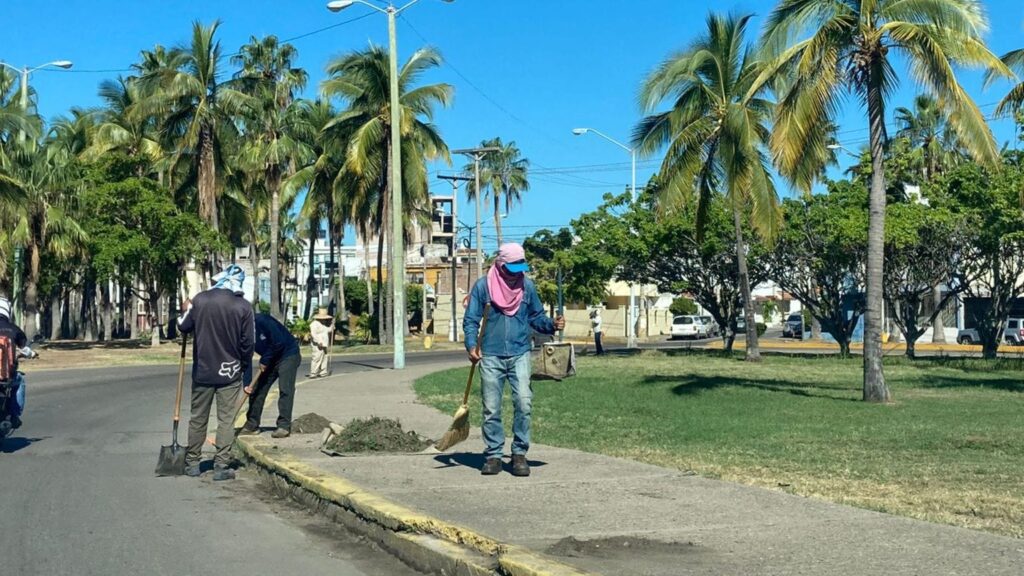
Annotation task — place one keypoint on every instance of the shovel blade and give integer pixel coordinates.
(171, 461)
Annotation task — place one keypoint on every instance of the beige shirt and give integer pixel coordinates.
(320, 333)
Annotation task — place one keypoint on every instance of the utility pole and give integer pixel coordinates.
(477, 154)
(453, 327)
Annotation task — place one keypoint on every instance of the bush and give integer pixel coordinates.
(768, 309)
(364, 328)
(761, 328)
(263, 307)
(682, 306)
(299, 327)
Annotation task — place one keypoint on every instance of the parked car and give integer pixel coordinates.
(688, 327)
(710, 326)
(793, 327)
(968, 336)
(1013, 333)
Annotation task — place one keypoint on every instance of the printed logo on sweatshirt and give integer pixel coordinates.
(230, 369)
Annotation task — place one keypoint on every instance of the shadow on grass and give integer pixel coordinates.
(79, 345)
(1005, 383)
(691, 385)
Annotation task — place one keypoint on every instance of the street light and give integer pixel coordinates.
(478, 154)
(397, 243)
(631, 316)
(25, 72)
(843, 148)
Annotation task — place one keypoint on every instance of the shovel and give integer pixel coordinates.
(172, 458)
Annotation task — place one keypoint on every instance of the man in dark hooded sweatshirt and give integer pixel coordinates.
(222, 321)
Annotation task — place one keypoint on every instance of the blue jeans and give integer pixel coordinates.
(494, 372)
(16, 403)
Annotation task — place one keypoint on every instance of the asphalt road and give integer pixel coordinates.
(79, 495)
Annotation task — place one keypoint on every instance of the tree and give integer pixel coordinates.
(197, 107)
(579, 258)
(503, 177)
(269, 77)
(819, 257)
(682, 306)
(993, 262)
(361, 81)
(716, 137)
(924, 248)
(122, 126)
(832, 47)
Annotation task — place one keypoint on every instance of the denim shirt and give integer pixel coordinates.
(506, 336)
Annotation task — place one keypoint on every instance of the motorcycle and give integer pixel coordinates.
(7, 395)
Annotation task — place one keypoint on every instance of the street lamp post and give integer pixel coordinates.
(631, 316)
(24, 73)
(477, 154)
(397, 270)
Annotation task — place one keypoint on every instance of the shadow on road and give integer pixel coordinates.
(473, 460)
(12, 445)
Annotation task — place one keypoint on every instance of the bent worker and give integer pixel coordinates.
(505, 351)
(222, 349)
(320, 330)
(279, 362)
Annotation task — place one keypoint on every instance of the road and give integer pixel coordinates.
(80, 497)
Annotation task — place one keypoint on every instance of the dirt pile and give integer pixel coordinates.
(311, 423)
(376, 434)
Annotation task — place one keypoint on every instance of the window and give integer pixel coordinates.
(683, 320)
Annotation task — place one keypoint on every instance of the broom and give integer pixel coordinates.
(459, 430)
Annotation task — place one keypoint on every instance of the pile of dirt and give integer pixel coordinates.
(311, 423)
(376, 434)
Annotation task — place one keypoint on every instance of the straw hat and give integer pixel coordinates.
(321, 314)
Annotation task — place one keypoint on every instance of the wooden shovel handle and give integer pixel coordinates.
(181, 378)
(472, 367)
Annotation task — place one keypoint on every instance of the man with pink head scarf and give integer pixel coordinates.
(515, 311)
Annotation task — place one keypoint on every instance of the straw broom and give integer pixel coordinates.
(459, 430)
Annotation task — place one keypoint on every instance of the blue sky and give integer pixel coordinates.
(525, 70)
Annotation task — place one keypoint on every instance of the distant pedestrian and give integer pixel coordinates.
(514, 309)
(320, 330)
(222, 347)
(279, 362)
(596, 326)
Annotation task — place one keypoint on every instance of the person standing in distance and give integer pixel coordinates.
(596, 326)
(224, 333)
(515, 310)
(320, 330)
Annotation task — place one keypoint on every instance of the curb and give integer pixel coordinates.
(420, 540)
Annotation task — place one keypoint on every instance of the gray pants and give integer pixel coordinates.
(227, 405)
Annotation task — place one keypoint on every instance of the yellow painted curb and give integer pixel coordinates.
(821, 344)
(515, 560)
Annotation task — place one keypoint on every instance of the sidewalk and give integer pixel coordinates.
(598, 514)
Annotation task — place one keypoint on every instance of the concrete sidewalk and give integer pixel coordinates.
(599, 514)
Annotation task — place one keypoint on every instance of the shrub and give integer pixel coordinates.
(761, 327)
(683, 306)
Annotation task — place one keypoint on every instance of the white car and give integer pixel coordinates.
(688, 327)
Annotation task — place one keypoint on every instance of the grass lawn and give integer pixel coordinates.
(949, 449)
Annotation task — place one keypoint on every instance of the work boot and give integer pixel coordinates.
(246, 431)
(15, 422)
(520, 467)
(281, 433)
(491, 467)
(192, 470)
(221, 474)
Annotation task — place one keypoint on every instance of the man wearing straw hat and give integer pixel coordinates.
(320, 331)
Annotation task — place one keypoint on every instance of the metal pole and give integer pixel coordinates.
(561, 305)
(479, 230)
(398, 247)
(631, 334)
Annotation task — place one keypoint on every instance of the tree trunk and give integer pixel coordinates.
(132, 316)
(381, 290)
(207, 179)
(815, 329)
(73, 310)
(369, 282)
(875, 389)
(107, 309)
(154, 317)
(753, 353)
(55, 314)
(844, 347)
(88, 323)
(311, 277)
(31, 291)
(254, 261)
(274, 184)
(497, 217)
(938, 325)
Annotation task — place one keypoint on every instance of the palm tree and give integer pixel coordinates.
(716, 137)
(121, 125)
(361, 80)
(503, 176)
(834, 46)
(187, 90)
(1014, 99)
(269, 77)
